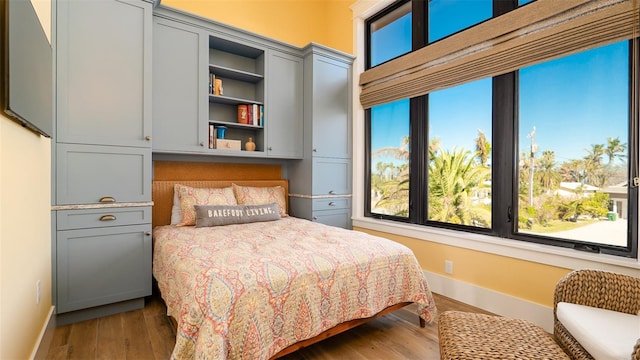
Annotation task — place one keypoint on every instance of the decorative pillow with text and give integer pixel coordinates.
(217, 215)
(189, 197)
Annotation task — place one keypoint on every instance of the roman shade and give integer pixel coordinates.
(540, 31)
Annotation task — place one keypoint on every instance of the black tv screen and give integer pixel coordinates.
(27, 67)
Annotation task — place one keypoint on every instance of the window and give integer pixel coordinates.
(459, 172)
(390, 159)
(541, 154)
(446, 17)
(390, 34)
(573, 150)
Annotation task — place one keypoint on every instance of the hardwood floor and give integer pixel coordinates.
(147, 334)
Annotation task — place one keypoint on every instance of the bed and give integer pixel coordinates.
(261, 290)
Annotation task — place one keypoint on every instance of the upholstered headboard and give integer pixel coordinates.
(162, 193)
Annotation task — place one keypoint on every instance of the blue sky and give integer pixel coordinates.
(573, 102)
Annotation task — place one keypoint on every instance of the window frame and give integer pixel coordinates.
(504, 140)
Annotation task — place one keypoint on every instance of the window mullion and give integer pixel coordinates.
(503, 170)
(418, 163)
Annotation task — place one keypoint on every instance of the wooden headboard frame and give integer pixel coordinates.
(206, 175)
(162, 193)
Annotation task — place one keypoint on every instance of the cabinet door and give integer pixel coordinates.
(339, 218)
(331, 176)
(283, 109)
(86, 174)
(179, 87)
(103, 72)
(102, 266)
(331, 109)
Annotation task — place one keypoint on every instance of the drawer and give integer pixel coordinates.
(102, 266)
(95, 218)
(339, 217)
(86, 174)
(331, 176)
(331, 203)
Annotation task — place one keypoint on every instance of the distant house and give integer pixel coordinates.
(618, 198)
(575, 189)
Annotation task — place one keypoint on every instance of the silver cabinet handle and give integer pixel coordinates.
(201, 144)
(332, 203)
(147, 233)
(107, 199)
(315, 150)
(270, 148)
(107, 217)
(315, 218)
(331, 192)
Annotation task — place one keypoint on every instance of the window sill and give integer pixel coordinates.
(539, 253)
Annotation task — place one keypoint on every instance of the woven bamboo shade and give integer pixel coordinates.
(540, 31)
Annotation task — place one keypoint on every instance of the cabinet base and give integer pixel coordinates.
(98, 311)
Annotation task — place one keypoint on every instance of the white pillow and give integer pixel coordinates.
(176, 214)
(605, 334)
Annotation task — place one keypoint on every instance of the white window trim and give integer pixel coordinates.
(539, 253)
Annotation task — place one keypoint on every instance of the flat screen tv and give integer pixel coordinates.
(26, 67)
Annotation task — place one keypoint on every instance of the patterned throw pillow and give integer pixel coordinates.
(189, 197)
(216, 215)
(248, 195)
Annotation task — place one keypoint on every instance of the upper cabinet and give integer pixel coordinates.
(215, 88)
(179, 82)
(285, 110)
(102, 86)
(330, 86)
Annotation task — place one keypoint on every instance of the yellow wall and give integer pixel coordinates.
(297, 22)
(25, 238)
(522, 279)
(25, 229)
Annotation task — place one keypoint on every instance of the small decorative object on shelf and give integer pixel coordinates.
(228, 144)
(250, 145)
(243, 114)
(221, 131)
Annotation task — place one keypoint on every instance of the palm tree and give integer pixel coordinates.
(452, 177)
(546, 172)
(573, 171)
(392, 191)
(400, 153)
(615, 149)
(483, 148)
(593, 170)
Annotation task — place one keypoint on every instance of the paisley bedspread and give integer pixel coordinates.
(248, 291)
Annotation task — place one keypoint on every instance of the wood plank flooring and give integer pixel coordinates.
(147, 334)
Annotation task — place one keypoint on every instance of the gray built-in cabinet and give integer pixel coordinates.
(102, 147)
(253, 70)
(320, 184)
(132, 82)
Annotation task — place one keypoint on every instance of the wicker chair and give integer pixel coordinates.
(596, 288)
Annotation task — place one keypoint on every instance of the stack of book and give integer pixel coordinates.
(251, 114)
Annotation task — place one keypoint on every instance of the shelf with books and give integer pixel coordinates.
(235, 137)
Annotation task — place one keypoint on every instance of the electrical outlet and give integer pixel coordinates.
(448, 266)
(38, 292)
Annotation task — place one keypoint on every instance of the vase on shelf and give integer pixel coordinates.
(250, 145)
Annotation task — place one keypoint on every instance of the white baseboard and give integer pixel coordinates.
(44, 339)
(492, 301)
